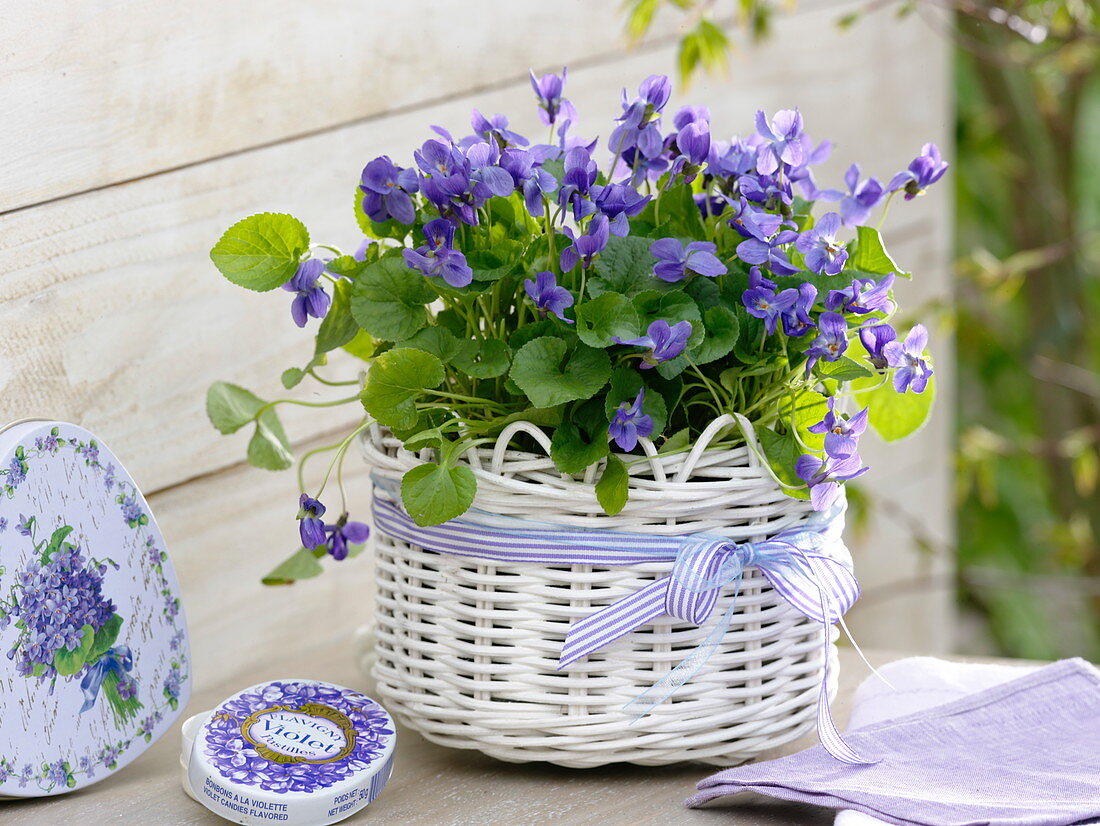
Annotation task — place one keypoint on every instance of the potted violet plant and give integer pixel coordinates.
(611, 394)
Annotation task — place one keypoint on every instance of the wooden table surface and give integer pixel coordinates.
(436, 786)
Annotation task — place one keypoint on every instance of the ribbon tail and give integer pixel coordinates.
(114, 659)
(827, 731)
(91, 683)
(688, 667)
(616, 620)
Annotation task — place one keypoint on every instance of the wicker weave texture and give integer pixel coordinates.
(466, 653)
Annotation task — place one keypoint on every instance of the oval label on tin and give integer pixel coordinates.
(310, 733)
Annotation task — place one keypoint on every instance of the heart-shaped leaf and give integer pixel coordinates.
(606, 316)
(389, 299)
(261, 252)
(433, 494)
(487, 360)
(549, 372)
(572, 452)
(395, 379)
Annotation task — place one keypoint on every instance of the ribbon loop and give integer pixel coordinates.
(703, 565)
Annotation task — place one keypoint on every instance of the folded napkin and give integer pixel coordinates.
(1022, 753)
(915, 684)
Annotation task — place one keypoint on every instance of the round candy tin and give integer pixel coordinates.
(95, 663)
(289, 751)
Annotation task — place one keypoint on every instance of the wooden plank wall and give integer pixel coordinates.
(135, 132)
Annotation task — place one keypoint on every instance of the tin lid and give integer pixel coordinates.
(289, 751)
(96, 665)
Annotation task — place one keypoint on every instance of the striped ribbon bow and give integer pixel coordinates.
(795, 563)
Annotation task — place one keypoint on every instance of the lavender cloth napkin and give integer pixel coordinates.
(1024, 753)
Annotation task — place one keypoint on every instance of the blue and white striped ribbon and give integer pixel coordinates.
(795, 563)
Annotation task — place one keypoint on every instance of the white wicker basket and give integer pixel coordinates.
(466, 653)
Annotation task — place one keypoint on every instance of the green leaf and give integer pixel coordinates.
(338, 327)
(891, 414)
(614, 486)
(261, 252)
(438, 341)
(672, 307)
(678, 442)
(292, 377)
(105, 637)
(54, 546)
(625, 384)
(625, 266)
(68, 663)
(489, 359)
(546, 327)
(389, 299)
(230, 407)
(395, 380)
(799, 412)
(607, 315)
(871, 256)
(843, 369)
(302, 564)
(680, 215)
(269, 447)
(722, 328)
(782, 452)
(571, 452)
(433, 494)
(549, 373)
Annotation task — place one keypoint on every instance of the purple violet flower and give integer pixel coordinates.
(782, 140)
(674, 261)
(911, 369)
(691, 114)
(495, 130)
(552, 106)
(693, 142)
(766, 236)
(619, 202)
(924, 170)
(345, 533)
(874, 338)
(486, 175)
(831, 341)
(824, 255)
(386, 189)
(841, 434)
(639, 123)
(823, 476)
(310, 526)
(438, 258)
(865, 295)
(548, 296)
(629, 423)
(531, 179)
(665, 342)
(862, 197)
(3, 524)
(583, 248)
(310, 300)
(764, 303)
(796, 319)
(577, 181)
(445, 180)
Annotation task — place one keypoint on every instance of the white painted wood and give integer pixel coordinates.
(96, 93)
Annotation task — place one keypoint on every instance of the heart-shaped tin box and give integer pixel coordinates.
(94, 658)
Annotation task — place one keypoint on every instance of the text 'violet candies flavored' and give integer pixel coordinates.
(289, 751)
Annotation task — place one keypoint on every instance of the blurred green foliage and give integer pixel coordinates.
(1026, 171)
